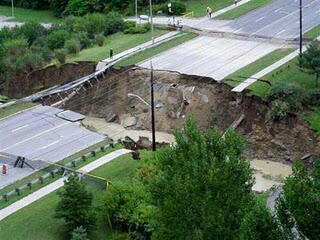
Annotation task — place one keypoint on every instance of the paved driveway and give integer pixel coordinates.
(210, 57)
(40, 134)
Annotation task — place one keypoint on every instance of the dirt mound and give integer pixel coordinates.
(28, 83)
(211, 104)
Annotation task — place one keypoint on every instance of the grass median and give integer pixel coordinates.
(24, 15)
(243, 9)
(39, 216)
(242, 74)
(199, 7)
(47, 181)
(313, 33)
(16, 107)
(141, 56)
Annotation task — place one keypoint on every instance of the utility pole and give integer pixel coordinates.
(151, 19)
(152, 112)
(136, 13)
(12, 8)
(300, 47)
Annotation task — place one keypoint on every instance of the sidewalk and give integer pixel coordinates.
(16, 206)
(246, 83)
(166, 37)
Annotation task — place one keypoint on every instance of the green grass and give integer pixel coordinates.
(313, 33)
(41, 172)
(242, 74)
(24, 15)
(37, 221)
(199, 7)
(119, 42)
(14, 108)
(243, 9)
(315, 120)
(289, 73)
(155, 50)
(262, 197)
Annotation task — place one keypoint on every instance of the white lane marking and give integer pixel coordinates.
(259, 19)
(37, 135)
(238, 30)
(53, 143)
(277, 10)
(19, 128)
(280, 32)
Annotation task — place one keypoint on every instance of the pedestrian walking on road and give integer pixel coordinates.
(210, 12)
(235, 2)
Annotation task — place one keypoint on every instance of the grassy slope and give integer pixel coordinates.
(243, 9)
(315, 120)
(23, 15)
(313, 32)
(14, 108)
(119, 42)
(156, 50)
(199, 6)
(256, 66)
(43, 225)
(288, 72)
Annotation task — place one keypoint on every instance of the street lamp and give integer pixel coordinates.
(136, 12)
(12, 8)
(300, 49)
(151, 20)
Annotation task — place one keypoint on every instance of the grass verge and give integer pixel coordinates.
(40, 214)
(290, 73)
(199, 7)
(119, 42)
(243, 9)
(315, 120)
(24, 15)
(14, 108)
(242, 74)
(313, 33)
(41, 172)
(134, 59)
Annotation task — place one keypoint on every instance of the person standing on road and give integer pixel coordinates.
(210, 12)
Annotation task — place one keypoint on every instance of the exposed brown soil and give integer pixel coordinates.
(211, 104)
(28, 83)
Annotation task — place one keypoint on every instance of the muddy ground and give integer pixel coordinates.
(211, 104)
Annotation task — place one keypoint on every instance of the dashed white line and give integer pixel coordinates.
(19, 128)
(280, 32)
(53, 143)
(259, 19)
(277, 10)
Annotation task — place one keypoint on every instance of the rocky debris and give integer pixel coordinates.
(128, 121)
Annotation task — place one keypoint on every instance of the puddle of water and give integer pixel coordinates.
(268, 174)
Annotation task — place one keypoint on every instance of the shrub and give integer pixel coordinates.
(114, 23)
(292, 93)
(314, 96)
(121, 236)
(138, 29)
(16, 47)
(28, 62)
(84, 40)
(5, 34)
(99, 40)
(46, 54)
(75, 24)
(72, 45)
(31, 31)
(57, 39)
(95, 23)
(79, 233)
(77, 7)
(177, 8)
(61, 55)
(58, 7)
(278, 111)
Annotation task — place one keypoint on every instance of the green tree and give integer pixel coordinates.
(259, 224)
(58, 7)
(75, 205)
(56, 39)
(202, 187)
(299, 206)
(79, 233)
(311, 59)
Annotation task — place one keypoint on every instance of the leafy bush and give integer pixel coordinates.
(16, 47)
(58, 7)
(99, 40)
(177, 8)
(114, 23)
(84, 40)
(292, 93)
(75, 24)
(46, 54)
(79, 233)
(28, 62)
(278, 111)
(31, 31)
(138, 29)
(314, 96)
(95, 23)
(77, 7)
(121, 236)
(72, 45)
(61, 55)
(57, 39)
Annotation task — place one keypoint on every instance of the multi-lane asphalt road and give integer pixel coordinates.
(42, 133)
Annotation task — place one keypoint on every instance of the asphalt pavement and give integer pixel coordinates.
(40, 134)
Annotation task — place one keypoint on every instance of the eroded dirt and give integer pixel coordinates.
(211, 104)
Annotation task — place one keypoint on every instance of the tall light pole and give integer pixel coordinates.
(300, 49)
(136, 12)
(12, 8)
(151, 20)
